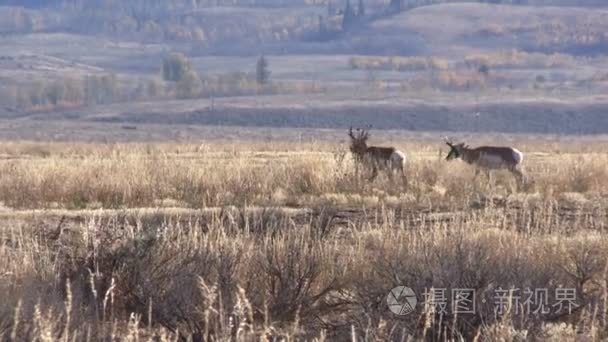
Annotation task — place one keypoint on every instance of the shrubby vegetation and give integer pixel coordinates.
(177, 79)
(518, 59)
(314, 270)
(262, 73)
(493, 60)
(474, 71)
(398, 63)
(175, 67)
(69, 92)
(150, 20)
(105, 89)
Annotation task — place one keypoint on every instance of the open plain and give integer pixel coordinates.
(288, 240)
(181, 170)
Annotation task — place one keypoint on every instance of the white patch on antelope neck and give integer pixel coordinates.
(518, 156)
(397, 158)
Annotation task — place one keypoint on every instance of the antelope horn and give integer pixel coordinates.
(365, 131)
(448, 142)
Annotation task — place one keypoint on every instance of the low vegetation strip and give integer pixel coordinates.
(513, 117)
(495, 60)
(131, 176)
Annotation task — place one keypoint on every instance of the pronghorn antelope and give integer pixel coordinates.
(386, 158)
(488, 158)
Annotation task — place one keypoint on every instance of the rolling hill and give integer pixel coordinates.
(534, 69)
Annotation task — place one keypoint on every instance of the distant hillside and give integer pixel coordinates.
(467, 26)
(246, 27)
(440, 67)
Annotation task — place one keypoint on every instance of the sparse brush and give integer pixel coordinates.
(314, 273)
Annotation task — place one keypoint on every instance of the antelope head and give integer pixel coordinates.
(455, 149)
(358, 141)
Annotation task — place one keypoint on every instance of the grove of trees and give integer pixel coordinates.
(262, 74)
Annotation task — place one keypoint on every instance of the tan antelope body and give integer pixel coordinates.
(489, 158)
(388, 159)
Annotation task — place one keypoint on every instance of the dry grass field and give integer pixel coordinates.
(288, 241)
(161, 181)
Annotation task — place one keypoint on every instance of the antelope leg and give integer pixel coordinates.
(374, 173)
(401, 171)
(518, 174)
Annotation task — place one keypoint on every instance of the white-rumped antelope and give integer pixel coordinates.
(488, 158)
(376, 158)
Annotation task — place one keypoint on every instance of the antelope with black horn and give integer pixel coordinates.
(376, 158)
(488, 158)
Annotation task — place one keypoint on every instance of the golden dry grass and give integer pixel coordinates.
(196, 176)
(166, 241)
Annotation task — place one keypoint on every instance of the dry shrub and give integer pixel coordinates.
(398, 63)
(310, 178)
(482, 260)
(571, 173)
(518, 59)
(242, 274)
(461, 80)
(296, 282)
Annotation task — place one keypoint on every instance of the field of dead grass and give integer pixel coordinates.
(288, 241)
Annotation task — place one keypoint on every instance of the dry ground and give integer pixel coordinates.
(238, 241)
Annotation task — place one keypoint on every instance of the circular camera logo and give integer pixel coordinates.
(401, 300)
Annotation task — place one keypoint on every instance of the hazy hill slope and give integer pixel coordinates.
(538, 94)
(450, 28)
(439, 28)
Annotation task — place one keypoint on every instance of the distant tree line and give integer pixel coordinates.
(182, 20)
(165, 4)
(67, 92)
(148, 20)
(177, 79)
